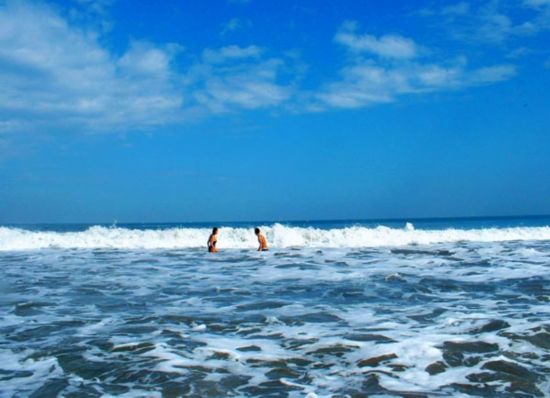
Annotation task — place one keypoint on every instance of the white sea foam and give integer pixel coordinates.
(34, 371)
(278, 235)
(309, 323)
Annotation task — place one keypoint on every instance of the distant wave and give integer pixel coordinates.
(278, 235)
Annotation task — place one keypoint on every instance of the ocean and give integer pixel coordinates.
(381, 308)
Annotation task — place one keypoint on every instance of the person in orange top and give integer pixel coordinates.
(261, 240)
(212, 240)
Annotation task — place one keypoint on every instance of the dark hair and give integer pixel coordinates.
(214, 230)
(256, 230)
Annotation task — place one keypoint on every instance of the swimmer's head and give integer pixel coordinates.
(215, 230)
(256, 231)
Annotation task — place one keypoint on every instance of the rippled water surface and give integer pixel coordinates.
(450, 319)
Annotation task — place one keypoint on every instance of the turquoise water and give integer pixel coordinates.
(429, 308)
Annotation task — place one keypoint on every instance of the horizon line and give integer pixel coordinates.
(321, 220)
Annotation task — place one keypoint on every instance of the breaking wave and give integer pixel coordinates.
(279, 236)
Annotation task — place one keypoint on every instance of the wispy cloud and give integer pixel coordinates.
(461, 8)
(233, 25)
(365, 81)
(537, 3)
(91, 12)
(231, 52)
(387, 46)
(236, 76)
(492, 21)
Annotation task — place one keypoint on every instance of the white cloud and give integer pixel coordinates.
(490, 74)
(53, 73)
(397, 72)
(144, 59)
(492, 26)
(369, 83)
(460, 8)
(250, 83)
(387, 46)
(231, 52)
(518, 53)
(97, 6)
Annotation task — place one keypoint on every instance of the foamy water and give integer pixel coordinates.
(327, 312)
(278, 235)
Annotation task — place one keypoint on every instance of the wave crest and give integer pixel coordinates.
(278, 235)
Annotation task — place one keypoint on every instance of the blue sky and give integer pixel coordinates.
(272, 110)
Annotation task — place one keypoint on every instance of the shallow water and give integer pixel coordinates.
(449, 319)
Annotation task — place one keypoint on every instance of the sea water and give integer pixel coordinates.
(382, 308)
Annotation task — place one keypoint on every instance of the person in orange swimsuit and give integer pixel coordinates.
(261, 240)
(212, 240)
